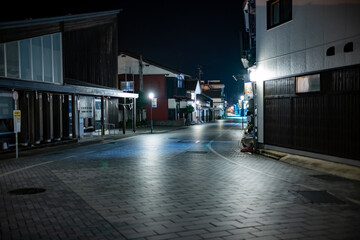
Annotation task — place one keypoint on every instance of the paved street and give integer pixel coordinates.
(191, 183)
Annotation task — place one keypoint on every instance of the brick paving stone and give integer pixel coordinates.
(186, 234)
(162, 237)
(264, 238)
(195, 237)
(266, 233)
(215, 234)
(290, 236)
(244, 230)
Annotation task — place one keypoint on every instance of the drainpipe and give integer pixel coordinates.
(141, 74)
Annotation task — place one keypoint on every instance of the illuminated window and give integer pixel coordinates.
(278, 12)
(308, 83)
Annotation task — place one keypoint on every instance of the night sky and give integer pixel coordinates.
(177, 34)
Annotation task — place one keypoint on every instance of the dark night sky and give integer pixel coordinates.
(177, 34)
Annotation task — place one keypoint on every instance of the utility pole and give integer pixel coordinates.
(200, 72)
(141, 74)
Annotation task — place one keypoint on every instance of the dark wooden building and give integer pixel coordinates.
(65, 71)
(324, 121)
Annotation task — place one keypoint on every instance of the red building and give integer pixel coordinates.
(167, 85)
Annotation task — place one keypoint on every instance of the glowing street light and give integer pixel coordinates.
(151, 96)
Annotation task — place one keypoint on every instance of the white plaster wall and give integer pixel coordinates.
(183, 104)
(303, 41)
(260, 110)
(299, 46)
(130, 65)
(171, 103)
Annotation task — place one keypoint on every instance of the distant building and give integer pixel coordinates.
(192, 90)
(204, 105)
(168, 86)
(215, 90)
(65, 72)
(308, 77)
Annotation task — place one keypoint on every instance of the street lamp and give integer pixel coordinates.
(151, 96)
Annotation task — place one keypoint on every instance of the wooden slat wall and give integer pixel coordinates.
(90, 54)
(324, 122)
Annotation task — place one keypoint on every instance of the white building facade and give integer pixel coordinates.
(307, 74)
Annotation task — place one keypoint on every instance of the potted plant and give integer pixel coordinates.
(188, 110)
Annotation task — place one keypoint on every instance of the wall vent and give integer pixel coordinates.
(330, 51)
(349, 47)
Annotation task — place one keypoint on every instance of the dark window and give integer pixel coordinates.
(349, 47)
(171, 114)
(278, 12)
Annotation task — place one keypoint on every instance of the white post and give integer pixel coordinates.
(16, 120)
(151, 120)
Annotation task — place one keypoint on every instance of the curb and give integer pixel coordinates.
(337, 169)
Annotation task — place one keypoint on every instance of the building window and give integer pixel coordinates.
(180, 83)
(57, 59)
(47, 58)
(2, 60)
(308, 83)
(37, 62)
(33, 59)
(278, 12)
(25, 59)
(12, 59)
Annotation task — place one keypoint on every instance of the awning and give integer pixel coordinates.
(203, 97)
(17, 84)
(184, 98)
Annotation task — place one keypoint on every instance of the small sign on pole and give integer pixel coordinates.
(17, 127)
(154, 102)
(17, 121)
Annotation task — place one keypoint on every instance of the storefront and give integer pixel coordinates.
(63, 91)
(54, 113)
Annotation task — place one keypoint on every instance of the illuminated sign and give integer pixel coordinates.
(248, 89)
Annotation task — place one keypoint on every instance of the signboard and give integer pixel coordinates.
(17, 121)
(154, 102)
(15, 95)
(248, 89)
(86, 107)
